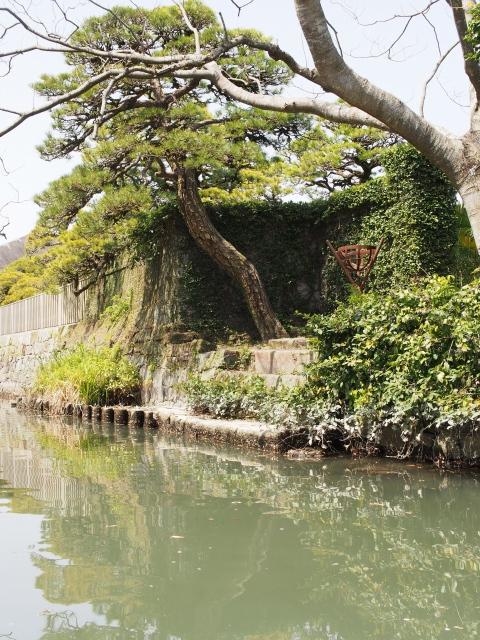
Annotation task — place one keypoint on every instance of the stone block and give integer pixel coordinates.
(471, 445)
(271, 380)
(230, 358)
(263, 359)
(220, 359)
(181, 337)
(120, 416)
(137, 418)
(151, 420)
(107, 414)
(205, 360)
(290, 380)
(290, 361)
(87, 412)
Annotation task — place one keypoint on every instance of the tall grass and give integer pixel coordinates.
(89, 376)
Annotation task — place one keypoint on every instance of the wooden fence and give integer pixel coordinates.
(43, 311)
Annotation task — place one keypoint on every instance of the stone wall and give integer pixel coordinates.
(22, 353)
(137, 308)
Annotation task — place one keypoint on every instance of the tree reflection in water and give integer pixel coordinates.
(171, 541)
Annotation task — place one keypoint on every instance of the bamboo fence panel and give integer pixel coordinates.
(43, 311)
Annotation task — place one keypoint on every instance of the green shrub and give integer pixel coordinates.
(88, 375)
(230, 397)
(118, 309)
(414, 353)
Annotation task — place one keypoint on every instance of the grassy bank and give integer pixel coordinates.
(85, 375)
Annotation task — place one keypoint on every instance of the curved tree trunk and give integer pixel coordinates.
(226, 256)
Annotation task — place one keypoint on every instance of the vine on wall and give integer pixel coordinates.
(413, 207)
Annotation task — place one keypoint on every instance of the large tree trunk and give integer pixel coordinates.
(470, 192)
(226, 256)
(466, 177)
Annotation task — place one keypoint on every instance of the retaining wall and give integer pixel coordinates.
(22, 353)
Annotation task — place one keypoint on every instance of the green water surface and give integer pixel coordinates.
(113, 534)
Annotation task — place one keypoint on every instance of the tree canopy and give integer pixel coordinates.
(186, 47)
(155, 128)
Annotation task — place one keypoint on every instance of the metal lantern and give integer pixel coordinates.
(356, 261)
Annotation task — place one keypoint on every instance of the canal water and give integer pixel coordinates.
(110, 534)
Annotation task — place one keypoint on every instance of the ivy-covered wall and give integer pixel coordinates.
(287, 244)
(413, 207)
(418, 220)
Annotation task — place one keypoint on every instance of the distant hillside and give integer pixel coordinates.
(11, 251)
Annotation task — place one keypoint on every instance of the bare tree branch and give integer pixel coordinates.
(17, 52)
(408, 17)
(4, 167)
(241, 6)
(435, 33)
(58, 101)
(66, 46)
(330, 110)
(4, 222)
(106, 92)
(339, 45)
(225, 30)
(397, 16)
(66, 18)
(196, 35)
(116, 16)
(337, 77)
(12, 111)
(389, 50)
(2, 35)
(276, 53)
(433, 74)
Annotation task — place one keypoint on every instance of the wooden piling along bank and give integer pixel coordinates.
(174, 420)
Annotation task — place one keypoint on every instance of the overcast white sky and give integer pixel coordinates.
(414, 59)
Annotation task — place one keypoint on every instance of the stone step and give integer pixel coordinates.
(281, 361)
(288, 343)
